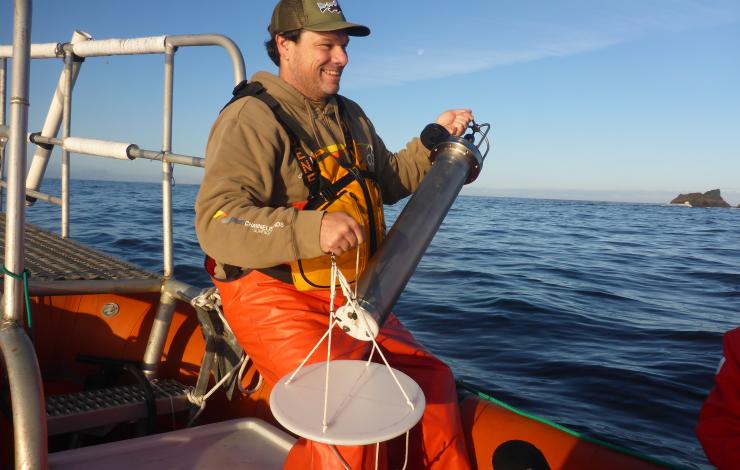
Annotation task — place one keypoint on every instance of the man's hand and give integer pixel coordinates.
(455, 120)
(339, 233)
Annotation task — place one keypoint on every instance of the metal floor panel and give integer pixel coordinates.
(89, 409)
(50, 258)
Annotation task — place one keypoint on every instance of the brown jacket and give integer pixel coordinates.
(243, 215)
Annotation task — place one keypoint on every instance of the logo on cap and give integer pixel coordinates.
(329, 7)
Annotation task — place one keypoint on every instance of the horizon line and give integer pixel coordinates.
(570, 194)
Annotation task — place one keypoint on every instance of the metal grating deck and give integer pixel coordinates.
(50, 258)
(84, 410)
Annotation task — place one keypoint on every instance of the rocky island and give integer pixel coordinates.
(711, 198)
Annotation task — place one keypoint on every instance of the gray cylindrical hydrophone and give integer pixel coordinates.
(456, 162)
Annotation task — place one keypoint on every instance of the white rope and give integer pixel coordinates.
(343, 282)
(248, 391)
(346, 288)
(357, 272)
(324, 425)
(377, 454)
(336, 275)
(370, 358)
(406, 455)
(210, 299)
(339, 456)
(200, 400)
(318, 343)
(223, 320)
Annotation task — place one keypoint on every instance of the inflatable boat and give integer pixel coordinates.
(108, 365)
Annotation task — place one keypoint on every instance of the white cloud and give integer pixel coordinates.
(529, 39)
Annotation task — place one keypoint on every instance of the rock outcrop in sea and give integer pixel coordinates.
(711, 198)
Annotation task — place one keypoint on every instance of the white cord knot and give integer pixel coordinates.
(200, 400)
(208, 299)
(197, 400)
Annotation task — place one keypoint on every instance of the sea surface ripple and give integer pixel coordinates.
(604, 317)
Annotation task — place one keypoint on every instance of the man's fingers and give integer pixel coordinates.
(358, 234)
(456, 120)
(339, 233)
(342, 246)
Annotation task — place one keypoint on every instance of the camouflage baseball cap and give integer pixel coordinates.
(312, 15)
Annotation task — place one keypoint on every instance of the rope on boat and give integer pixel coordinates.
(24, 276)
(200, 400)
(571, 432)
(257, 386)
(210, 299)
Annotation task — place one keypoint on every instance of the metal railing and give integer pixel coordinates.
(18, 355)
(24, 376)
(83, 46)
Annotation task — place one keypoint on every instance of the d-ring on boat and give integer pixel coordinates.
(107, 365)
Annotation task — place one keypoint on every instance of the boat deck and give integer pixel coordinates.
(51, 258)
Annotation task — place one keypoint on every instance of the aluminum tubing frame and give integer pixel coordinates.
(26, 396)
(3, 129)
(24, 377)
(167, 242)
(172, 292)
(54, 115)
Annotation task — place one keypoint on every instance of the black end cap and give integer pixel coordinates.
(433, 134)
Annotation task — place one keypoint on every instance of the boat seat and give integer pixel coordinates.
(246, 443)
(90, 409)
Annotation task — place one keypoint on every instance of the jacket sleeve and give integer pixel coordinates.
(234, 220)
(719, 419)
(400, 173)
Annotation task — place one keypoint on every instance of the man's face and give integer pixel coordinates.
(314, 64)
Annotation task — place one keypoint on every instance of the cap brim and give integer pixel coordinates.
(351, 28)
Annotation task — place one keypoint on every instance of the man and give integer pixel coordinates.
(294, 173)
(719, 419)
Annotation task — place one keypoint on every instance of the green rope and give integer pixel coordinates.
(573, 433)
(26, 274)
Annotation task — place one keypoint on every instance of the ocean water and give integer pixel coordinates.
(604, 317)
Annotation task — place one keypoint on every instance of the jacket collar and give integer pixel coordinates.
(287, 94)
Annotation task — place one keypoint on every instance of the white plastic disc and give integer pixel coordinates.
(365, 405)
(356, 322)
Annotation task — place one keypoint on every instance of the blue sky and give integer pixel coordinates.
(630, 100)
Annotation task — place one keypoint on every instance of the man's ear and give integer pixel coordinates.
(284, 46)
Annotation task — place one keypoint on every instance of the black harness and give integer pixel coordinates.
(320, 190)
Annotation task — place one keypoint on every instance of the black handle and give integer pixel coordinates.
(433, 134)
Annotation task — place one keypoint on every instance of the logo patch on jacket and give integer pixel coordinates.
(329, 7)
(370, 158)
